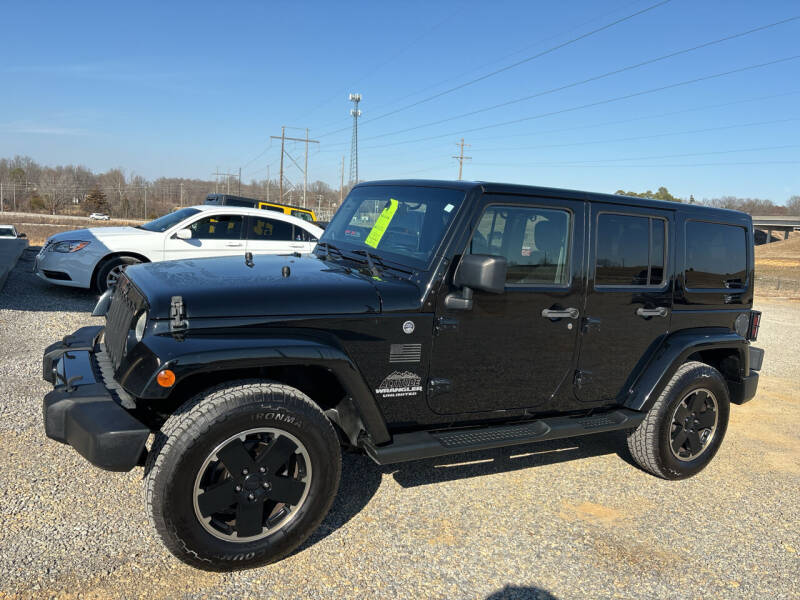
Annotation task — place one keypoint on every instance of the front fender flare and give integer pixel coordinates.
(196, 355)
(672, 353)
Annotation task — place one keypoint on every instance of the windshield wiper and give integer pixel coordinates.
(328, 248)
(371, 260)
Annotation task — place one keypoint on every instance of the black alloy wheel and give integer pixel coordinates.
(252, 484)
(694, 424)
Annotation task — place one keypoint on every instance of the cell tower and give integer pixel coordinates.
(355, 99)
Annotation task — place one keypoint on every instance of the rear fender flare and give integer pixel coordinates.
(672, 353)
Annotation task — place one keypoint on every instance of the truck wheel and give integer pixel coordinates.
(684, 428)
(241, 475)
(109, 272)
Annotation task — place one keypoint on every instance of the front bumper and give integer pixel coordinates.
(73, 270)
(82, 412)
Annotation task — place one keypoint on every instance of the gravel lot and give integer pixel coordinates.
(570, 519)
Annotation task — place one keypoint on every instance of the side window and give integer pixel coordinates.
(301, 235)
(534, 241)
(301, 214)
(716, 256)
(218, 227)
(269, 230)
(631, 250)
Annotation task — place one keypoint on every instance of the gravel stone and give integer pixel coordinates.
(561, 519)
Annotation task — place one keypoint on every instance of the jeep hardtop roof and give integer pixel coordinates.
(695, 210)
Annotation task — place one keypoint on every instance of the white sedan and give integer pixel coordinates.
(95, 257)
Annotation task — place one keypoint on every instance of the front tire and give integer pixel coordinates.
(685, 427)
(241, 475)
(109, 271)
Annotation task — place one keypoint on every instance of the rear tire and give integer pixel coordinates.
(685, 427)
(268, 459)
(109, 271)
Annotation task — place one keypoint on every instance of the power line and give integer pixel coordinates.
(540, 42)
(598, 102)
(681, 165)
(589, 79)
(649, 136)
(377, 67)
(511, 66)
(606, 123)
(656, 157)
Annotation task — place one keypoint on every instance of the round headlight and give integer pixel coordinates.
(140, 325)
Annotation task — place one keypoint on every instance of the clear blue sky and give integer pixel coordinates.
(179, 89)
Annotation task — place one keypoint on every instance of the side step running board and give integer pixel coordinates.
(429, 444)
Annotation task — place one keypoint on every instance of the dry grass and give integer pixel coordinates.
(39, 227)
(778, 268)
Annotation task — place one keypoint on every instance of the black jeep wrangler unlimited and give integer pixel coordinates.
(433, 318)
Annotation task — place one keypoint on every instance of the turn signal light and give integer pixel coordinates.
(166, 378)
(755, 323)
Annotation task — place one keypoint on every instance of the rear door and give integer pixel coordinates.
(213, 235)
(266, 235)
(629, 296)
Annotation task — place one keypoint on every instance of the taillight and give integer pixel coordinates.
(755, 323)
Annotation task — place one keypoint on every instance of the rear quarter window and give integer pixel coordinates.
(716, 256)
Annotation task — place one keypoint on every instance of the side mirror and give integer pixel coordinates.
(477, 272)
(184, 234)
(22, 235)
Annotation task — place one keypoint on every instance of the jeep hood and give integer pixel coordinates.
(227, 287)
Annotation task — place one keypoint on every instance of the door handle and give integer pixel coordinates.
(646, 313)
(234, 244)
(571, 313)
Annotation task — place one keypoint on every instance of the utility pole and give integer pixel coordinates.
(239, 192)
(355, 99)
(283, 140)
(341, 186)
(267, 183)
(461, 158)
(283, 143)
(305, 172)
(181, 194)
(145, 202)
(227, 180)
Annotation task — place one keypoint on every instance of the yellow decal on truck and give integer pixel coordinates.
(386, 216)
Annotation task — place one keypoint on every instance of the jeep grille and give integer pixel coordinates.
(126, 304)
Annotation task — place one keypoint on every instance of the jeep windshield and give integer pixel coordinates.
(400, 224)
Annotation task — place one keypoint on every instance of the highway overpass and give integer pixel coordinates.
(776, 223)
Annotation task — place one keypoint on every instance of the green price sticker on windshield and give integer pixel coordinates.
(382, 224)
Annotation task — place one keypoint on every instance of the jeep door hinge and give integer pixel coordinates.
(590, 324)
(582, 377)
(438, 385)
(445, 324)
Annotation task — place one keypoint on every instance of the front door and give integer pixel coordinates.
(629, 299)
(510, 351)
(216, 235)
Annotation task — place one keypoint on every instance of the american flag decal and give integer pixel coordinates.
(405, 353)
